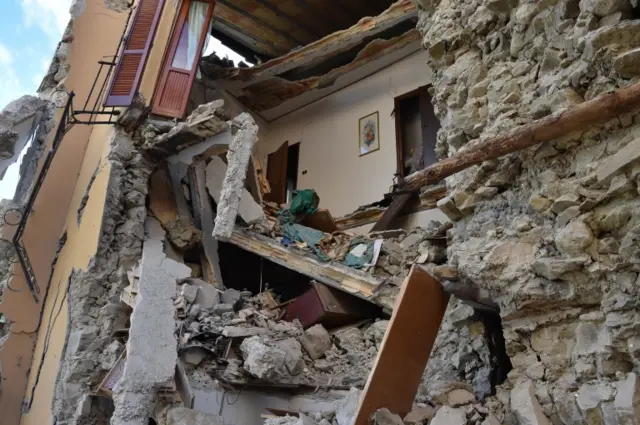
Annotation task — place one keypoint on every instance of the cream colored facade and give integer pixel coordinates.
(38, 333)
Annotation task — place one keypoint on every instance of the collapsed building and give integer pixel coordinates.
(400, 212)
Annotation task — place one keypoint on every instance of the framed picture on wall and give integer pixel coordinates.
(369, 134)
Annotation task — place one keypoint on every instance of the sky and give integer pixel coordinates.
(29, 33)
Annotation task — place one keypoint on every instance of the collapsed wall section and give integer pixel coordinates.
(95, 311)
(551, 232)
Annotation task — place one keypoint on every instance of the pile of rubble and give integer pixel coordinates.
(240, 339)
(455, 405)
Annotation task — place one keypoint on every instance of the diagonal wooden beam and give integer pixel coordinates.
(337, 275)
(576, 118)
(404, 353)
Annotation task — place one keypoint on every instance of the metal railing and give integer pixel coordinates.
(93, 112)
(65, 124)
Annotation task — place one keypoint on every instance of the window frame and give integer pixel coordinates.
(167, 61)
(397, 111)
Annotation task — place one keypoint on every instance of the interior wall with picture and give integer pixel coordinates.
(330, 134)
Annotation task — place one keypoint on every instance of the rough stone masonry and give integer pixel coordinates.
(551, 232)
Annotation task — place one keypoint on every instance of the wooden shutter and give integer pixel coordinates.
(277, 174)
(174, 85)
(134, 56)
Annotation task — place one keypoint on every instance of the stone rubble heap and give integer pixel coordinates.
(550, 232)
(264, 348)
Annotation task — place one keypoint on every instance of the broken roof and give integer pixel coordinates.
(322, 67)
(270, 28)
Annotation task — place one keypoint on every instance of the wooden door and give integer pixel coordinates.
(178, 69)
(277, 174)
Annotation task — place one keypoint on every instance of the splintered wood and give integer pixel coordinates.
(403, 356)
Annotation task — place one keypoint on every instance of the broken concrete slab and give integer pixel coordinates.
(348, 407)
(205, 121)
(207, 296)
(316, 341)
(222, 308)
(248, 209)
(152, 347)
(241, 332)
(234, 199)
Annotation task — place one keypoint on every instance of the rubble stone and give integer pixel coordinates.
(449, 416)
(525, 405)
(419, 415)
(552, 268)
(385, 417)
(262, 361)
(574, 238)
(460, 397)
(230, 296)
(221, 309)
(348, 408)
(627, 399)
(316, 341)
(293, 355)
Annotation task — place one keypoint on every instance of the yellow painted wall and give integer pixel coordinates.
(328, 134)
(82, 241)
(97, 31)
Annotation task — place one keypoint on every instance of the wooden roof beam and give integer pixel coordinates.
(282, 34)
(293, 21)
(329, 46)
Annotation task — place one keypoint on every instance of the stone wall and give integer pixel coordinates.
(551, 232)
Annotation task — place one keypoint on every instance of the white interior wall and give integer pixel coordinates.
(328, 134)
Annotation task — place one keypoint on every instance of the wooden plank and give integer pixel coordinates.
(162, 202)
(203, 216)
(339, 276)
(394, 211)
(175, 171)
(404, 353)
(321, 220)
(579, 117)
(265, 187)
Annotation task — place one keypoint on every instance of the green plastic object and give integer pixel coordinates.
(304, 202)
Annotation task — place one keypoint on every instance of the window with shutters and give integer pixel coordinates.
(134, 55)
(180, 64)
